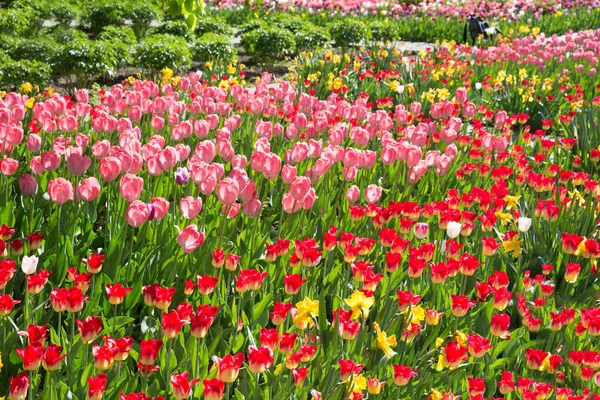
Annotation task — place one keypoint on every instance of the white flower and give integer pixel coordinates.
(524, 224)
(453, 229)
(29, 264)
(400, 89)
(477, 85)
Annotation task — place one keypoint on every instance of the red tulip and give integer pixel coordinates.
(202, 320)
(229, 366)
(180, 385)
(36, 333)
(96, 386)
(18, 386)
(403, 374)
(116, 293)
(36, 282)
(31, 356)
(104, 356)
(461, 305)
(75, 300)
(213, 389)
(477, 345)
(259, 359)
(94, 263)
(206, 284)
(89, 328)
(292, 283)
(149, 351)
(299, 375)
(171, 324)
(147, 370)
(52, 357)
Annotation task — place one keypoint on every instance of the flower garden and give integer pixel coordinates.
(278, 200)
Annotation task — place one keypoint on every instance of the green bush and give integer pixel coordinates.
(175, 28)
(122, 40)
(42, 49)
(349, 31)
(85, 59)
(62, 34)
(212, 25)
(14, 73)
(8, 44)
(292, 23)
(311, 37)
(103, 13)
(384, 31)
(251, 26)
(269, 43)
(214, 48)
(159, 51)
(141, 15)
(16, 21)
(64, 14)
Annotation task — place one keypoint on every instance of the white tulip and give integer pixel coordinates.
(524, 224)
(453, 229)
(29, 264)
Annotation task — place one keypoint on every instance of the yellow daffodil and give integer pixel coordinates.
(505, 218)
(511, 201)
(385, 342)
(358, 384)
(359, 304)
(513, 245)
(460, 337)
(307, 310)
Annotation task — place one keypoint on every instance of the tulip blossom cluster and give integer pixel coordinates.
(185, 240)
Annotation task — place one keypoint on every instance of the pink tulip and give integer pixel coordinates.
(228, 191)
(288, 173)
(413, 156)
(167, 158)
(88, 189)
(190, 207)
(373, 193)
(60, 190)
(469, 110)
(50, 160)
(190, 239)
(27, 185)
(100, 149)
(34, 143)
(309, 199)
(161, 207)
(78, 164)
(252, 208)
(353, 194)
(290, 205)
(8, 166)
(36, 165)
(157, 123)
(272, 166)
(137, 213)
(299, 187)
(131, 187)
(232, 210)
(82, 96)
(110, 168)
(415, 109)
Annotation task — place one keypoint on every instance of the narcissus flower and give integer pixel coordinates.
(385, 342)
(306, 310)
(359, 304)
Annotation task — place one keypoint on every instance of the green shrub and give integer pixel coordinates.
(159, 51)
(214, 48)
(8, 44)
(122, 40)
(175, 28)
(311, 37)
(64, 14)
(103, 13)
(349, 31)
(251, 26)
(14, 73)
(62, 34)
(212, 25)
(384, 31)
(292, 23)
(85, 59)
(269, 43)
(42, 49)
(16, 21)
(141, 15)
